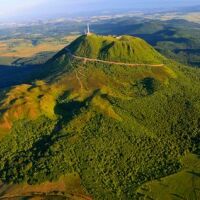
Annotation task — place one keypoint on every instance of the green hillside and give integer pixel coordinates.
(124, 49)
(114, 126)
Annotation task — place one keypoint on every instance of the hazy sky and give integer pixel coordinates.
(25, 9)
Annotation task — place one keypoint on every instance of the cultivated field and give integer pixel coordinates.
(13, 49)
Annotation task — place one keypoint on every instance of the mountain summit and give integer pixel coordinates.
(125, 49)
(112, 110)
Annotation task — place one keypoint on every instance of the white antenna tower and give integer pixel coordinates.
(88, 29)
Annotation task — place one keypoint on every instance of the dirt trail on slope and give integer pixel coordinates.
(79, 80)
(110, 62)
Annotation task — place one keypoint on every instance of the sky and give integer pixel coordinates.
(43, 9)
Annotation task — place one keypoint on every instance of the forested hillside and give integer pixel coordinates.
(114, 125)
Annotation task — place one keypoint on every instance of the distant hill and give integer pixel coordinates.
(99, 129)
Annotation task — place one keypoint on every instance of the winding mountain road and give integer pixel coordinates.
(85, 59)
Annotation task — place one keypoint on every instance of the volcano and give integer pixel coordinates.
(112, 110)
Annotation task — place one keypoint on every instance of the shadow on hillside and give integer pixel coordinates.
(68, 109)
(15, 75)
(194, 173)
(177, 196)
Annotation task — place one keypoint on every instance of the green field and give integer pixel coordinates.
(182, 185)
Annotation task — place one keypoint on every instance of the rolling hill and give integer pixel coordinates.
(111, 110)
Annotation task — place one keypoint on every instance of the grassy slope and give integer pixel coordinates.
(40, 98)
(125, 49)
(182, 185)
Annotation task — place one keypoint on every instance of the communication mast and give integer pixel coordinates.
(88, 29)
